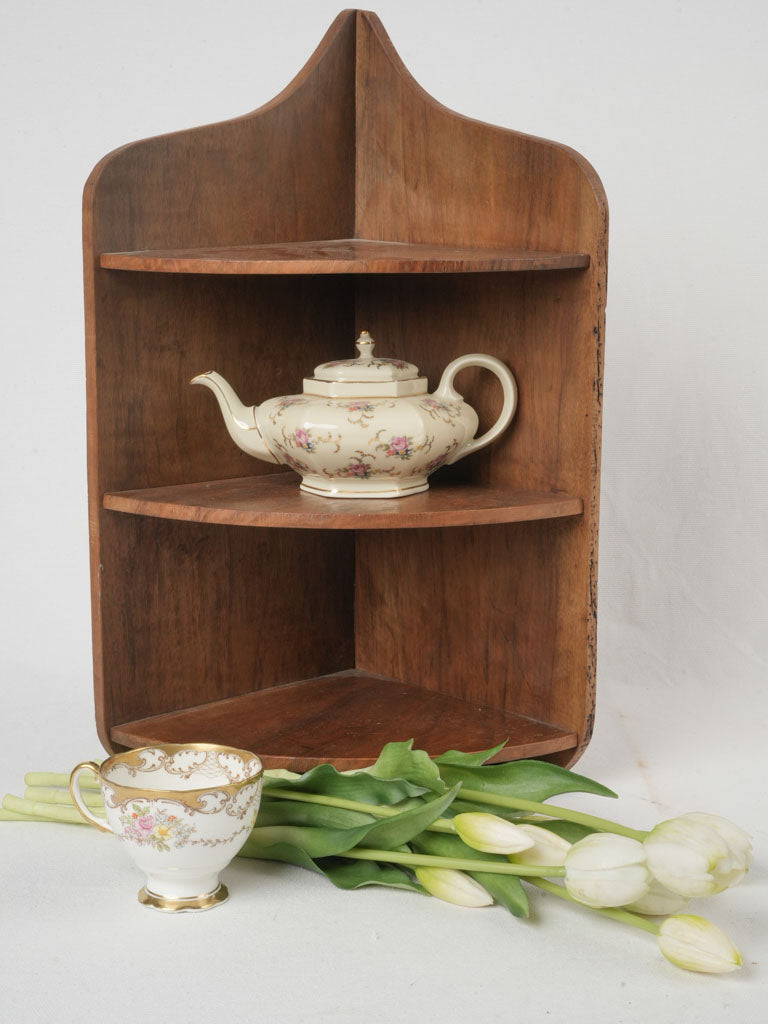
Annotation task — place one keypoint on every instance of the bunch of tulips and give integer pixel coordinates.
(469, 832)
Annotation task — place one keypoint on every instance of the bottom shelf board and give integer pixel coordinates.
(346, 719)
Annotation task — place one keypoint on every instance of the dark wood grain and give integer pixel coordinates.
(341, 256)
(503, 614)
(352, 200)
(346, 718)
(146, 335)
(276, 500)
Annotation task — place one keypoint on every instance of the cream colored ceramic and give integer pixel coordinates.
(182, 812)
(365, 427)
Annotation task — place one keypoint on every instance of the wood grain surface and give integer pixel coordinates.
(353, 153)
(345, 718)
(276, 500)
(341, 256)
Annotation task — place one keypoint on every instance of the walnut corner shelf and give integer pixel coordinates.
(342, 256)
(275, 499)
(228, 605)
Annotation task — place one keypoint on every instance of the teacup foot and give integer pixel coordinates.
(179, 906)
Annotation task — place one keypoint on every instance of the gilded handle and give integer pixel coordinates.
(74, 789)
(447, 392)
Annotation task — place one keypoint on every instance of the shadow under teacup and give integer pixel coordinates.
(183, 811)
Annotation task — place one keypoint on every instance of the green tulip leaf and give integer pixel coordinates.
(401, 761)
(316, 842)
(389, 833)
(526, 780)
(291, 812)
(361, 786)
(284, 852)
(313, 841)
(343, 874)
(459, 757)
(359, 873)
(468, 806)
(572, 831)
(505, 889)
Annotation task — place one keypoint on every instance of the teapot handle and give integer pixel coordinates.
(446, 392)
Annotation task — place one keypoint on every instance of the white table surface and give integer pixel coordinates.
(289, 947)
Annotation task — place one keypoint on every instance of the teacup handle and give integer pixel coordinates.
(74, 789)
(447, 392)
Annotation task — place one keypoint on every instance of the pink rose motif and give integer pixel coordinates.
(301, 437)
(358, 469)
(147, 822)
(357, 406)
(399, 444)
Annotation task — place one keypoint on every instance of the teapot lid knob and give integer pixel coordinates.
(364, 345)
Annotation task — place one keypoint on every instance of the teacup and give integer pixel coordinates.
(183, 812)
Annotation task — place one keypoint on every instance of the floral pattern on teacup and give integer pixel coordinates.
(158, 830)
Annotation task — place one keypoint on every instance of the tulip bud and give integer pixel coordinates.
(548, 847)
(606, 870)
(698, 854)
(696, 944)
(453, 887)
(738, 840)
(491, 834)
(658, 901)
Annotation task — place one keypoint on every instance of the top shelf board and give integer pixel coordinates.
(341, 256)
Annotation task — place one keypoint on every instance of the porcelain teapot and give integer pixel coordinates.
(365, 427)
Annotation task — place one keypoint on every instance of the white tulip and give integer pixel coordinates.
(658, 901)
(698, 854)
(491, 834)
(696, 944)
(548, 847)
(453, 887)
(606, 870)
(738, 840)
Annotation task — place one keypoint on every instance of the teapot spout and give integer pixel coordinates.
(240, 419)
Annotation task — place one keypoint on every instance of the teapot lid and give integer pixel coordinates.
(366, 374)
(366, 366)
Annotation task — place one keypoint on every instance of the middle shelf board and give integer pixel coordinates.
(341, 256)
(274, 499)
(346, 718)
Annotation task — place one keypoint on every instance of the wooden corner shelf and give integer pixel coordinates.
(266, 243)
(341, 256)
(275, 499)
(346, 718)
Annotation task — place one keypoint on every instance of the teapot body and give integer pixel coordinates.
(365, 427)
(365, 447)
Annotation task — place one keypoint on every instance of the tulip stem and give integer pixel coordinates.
(564, 813)
(376, 810)
(419, 860)
(616, 913)
(42, 809)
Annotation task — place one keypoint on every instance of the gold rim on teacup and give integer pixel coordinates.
(122, 792)
(130, 757)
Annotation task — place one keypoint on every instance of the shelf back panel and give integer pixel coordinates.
(194, 613)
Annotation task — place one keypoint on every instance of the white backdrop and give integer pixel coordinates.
(668, 100)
